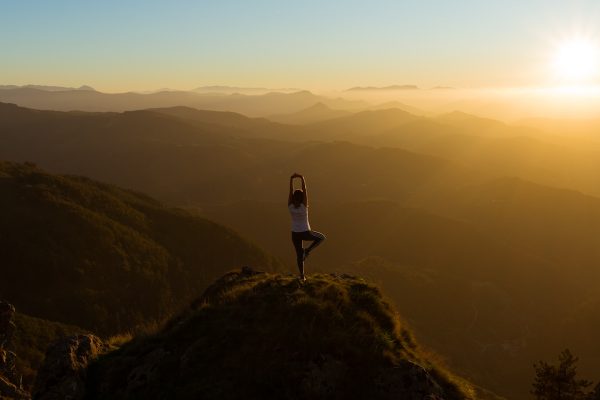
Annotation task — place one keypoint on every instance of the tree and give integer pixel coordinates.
(559, 382)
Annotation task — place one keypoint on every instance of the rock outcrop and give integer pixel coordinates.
(63, 374)
(10, 382)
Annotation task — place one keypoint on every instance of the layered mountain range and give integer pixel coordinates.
(483, 234)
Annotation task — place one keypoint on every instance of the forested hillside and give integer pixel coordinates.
(103, 258)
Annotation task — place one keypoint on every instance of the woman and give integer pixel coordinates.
(298, 206)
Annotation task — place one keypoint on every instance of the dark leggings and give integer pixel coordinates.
(309, 236)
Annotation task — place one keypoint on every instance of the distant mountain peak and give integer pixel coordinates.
(398, 105)
(223, 89)
(318, 106)
(319, 111)
(460, 116)
(303, 92)
(383, 88)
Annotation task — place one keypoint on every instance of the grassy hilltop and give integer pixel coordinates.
(259, 335)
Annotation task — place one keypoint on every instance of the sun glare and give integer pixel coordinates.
(576, 60)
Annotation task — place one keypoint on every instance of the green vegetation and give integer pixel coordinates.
(259, 335)
(103, 258)
(32, 338)
(560, 382)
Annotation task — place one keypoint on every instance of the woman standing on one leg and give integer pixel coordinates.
(298, 206)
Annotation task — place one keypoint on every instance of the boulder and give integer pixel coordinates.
(10, 382)
(8, 368)
(63, 373)
(9, 390)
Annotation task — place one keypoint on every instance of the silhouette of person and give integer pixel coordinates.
(298, 206)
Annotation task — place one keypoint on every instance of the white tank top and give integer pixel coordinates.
(299, 218)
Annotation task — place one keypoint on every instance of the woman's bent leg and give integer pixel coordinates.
(317, 238)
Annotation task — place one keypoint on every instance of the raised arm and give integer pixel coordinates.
(304, 190)
(291, 194)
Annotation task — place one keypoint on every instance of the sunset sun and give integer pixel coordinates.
(576, 60)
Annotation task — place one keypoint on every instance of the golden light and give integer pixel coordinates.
(576, 60)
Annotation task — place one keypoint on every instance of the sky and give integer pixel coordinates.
(143, 45)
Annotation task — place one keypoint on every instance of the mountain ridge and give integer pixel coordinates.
(252, 105)
(317, 112)
(47, 88)
(382, 88)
